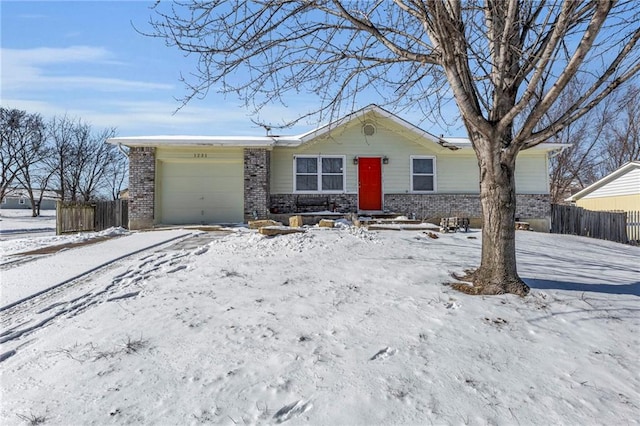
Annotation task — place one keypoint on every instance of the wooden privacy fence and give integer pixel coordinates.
(621, 227)
(74, 217)
(633, 227)
(111, 213)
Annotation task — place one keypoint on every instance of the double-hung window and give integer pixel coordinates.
(319, 173)
(423, 174)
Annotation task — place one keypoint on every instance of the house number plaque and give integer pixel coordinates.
(199, 155)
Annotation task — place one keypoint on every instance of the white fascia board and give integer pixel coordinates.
(313, 134)
(191, 141)
(466, 142)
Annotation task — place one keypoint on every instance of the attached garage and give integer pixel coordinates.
(199, 187)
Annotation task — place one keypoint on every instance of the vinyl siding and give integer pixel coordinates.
(350, 142)
(627, 184)
(615, 203)
(456, 171)
(532, 173)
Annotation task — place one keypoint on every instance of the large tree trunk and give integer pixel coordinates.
(497, 273)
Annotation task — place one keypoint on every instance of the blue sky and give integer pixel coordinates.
(84, 59)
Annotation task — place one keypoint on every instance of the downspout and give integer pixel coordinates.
(126, 154)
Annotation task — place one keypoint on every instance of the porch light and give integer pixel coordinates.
(385, 160)
(355, 160)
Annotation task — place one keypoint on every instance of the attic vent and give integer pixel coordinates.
(368, 129)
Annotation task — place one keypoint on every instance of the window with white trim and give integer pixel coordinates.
(423, 174)
(21, 201)
(319, 173)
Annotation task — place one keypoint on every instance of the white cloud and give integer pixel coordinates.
(44, 55)
(138, 118)
(26, 70)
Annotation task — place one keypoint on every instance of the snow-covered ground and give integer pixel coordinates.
(18, 223)
(333, 326)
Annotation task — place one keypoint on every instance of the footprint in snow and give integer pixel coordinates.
(452, 305)
(201, 250)
(383, 353)
(291, 410)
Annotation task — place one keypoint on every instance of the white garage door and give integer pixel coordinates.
(201, 192)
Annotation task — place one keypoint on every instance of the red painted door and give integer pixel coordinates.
(369, 183)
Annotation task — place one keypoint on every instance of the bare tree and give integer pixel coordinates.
(622, 133)
(117, 174)
(11, 134)
(23, 149)
(61, 131)
(577, 166)
(504, 62)
(32, 174)
(81, 158)
(97, 158)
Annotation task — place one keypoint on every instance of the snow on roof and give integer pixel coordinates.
(183, 140)
(297, 140)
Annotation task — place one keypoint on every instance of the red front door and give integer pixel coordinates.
(369, 183)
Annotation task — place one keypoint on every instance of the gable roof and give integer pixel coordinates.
(631, 165)
(452, 143)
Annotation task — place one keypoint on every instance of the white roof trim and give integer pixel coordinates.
(362, 112)
(608, 178)
(176, 140)
(294, 141)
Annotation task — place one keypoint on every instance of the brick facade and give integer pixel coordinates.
(286, 203)
(257, 164)
(424, 206)
(142, 176)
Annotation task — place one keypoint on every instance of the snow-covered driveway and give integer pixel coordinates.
(31, 278)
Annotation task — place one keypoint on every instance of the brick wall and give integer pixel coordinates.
(424, 206)
(256, 183)
(286, 203)
(142, 172)
(428, 206)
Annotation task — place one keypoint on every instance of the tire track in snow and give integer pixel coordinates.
(30, 315)
(88, 272)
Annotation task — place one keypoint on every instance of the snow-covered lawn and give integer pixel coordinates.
(334, 327)
(12, 220)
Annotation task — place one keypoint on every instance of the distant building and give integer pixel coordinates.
(618, 191)
(18, 198)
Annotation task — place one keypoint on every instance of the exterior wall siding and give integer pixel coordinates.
(350, 142)
(627, 184)
(457, 172)
(142, 169)
(15, 203)
(615, 203)
(256, 183)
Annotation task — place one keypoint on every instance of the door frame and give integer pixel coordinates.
(379, 158)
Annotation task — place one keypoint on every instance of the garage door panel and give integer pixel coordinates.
(200, 192)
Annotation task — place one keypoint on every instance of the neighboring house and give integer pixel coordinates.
(618, 191)
(18, 198)
(370, 161)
